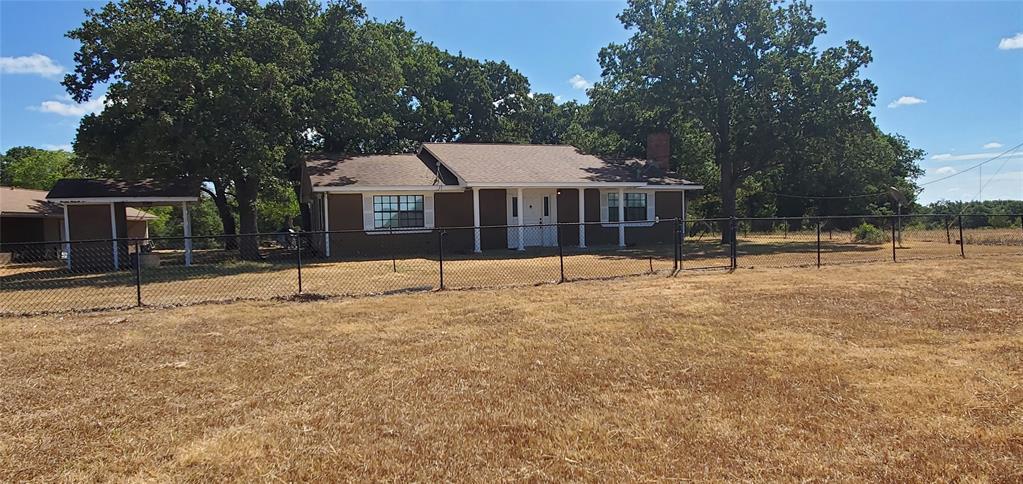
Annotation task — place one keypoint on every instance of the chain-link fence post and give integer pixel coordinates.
(948, 230)
(674, 245)
(138, 273)
(733, 229)
(440, 256)
(818, 243)
(298, 259)
(561, 254)
(894, 221)
(962, 240)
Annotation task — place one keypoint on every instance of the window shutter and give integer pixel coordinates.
(650, 212)
(428, 217)
(603, 206)
(367, 211)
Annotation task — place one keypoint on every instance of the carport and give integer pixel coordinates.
(95, 216)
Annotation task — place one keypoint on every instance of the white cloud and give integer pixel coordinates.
(906, 101)
(992, 145)
(71, 108)
(974, 156)
(31, 64)
(945, 170)
(579, 82)
(62, 146)
(1014, 42)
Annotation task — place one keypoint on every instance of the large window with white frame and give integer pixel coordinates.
(398, 212)
(635, 207)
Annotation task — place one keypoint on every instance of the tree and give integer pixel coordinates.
(204, 91)
(744, 74)
(28, 167)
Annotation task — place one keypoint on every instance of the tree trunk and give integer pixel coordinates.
(246, 191)
(226, 215)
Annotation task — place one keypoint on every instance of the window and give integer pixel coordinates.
(546, 206)
(635, 207)
(398, 211)
(515, 206)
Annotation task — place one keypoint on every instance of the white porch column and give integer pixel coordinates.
(522, 215)
(67, 237)
(621, 217)
(476, 219)
(186, 219)
(582, 218)
(113, 235)
(326, 225)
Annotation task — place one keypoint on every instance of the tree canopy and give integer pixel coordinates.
(742, 83)
(234, 92)
(28, 167)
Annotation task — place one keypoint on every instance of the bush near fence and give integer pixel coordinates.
(40, 278)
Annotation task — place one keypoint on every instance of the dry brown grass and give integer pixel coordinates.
(848, 373)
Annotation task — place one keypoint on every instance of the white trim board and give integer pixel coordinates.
(106, 200)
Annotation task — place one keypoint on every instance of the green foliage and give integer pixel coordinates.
(169, 222)
(27, 167)
(866, 233)
(745, 91)
(277, 207)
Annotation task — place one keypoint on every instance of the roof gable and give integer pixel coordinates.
(368, 170)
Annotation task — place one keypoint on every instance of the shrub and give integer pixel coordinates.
(868, 234)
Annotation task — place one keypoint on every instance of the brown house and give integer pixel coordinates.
(501, 196)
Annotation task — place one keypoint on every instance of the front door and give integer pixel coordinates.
(538, 215)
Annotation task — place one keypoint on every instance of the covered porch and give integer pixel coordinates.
(599, 214)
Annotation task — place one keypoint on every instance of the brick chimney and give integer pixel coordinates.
(658, 149)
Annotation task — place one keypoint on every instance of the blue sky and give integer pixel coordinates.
(957, 68)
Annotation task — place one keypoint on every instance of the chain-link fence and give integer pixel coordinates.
(115, 273)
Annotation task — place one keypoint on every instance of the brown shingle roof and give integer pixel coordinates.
(512, 164)
(368, 170)
(23, 202)
(84, 188)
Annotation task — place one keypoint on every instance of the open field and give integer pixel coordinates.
(218, 276)
(910, 373)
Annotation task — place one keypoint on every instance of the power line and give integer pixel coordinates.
(978, 165)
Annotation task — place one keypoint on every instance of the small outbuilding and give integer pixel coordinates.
(28, 218)
(96, 212)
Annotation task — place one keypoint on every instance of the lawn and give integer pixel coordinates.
(896, 372)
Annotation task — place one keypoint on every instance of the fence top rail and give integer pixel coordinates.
(420, 230)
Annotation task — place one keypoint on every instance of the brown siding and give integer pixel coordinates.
(90, 222)
(568, 212)
(345, 212)
(493, 212)
(454, 209)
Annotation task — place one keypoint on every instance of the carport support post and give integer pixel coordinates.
(522, 215)
(561, 254)
(582, 218)
(186, 219)
(67, 237)
(113, 236)
(326, 225)
(621, 217)
(440, 256)
(476, 219)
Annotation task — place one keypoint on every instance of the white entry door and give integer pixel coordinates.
(539, 214)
